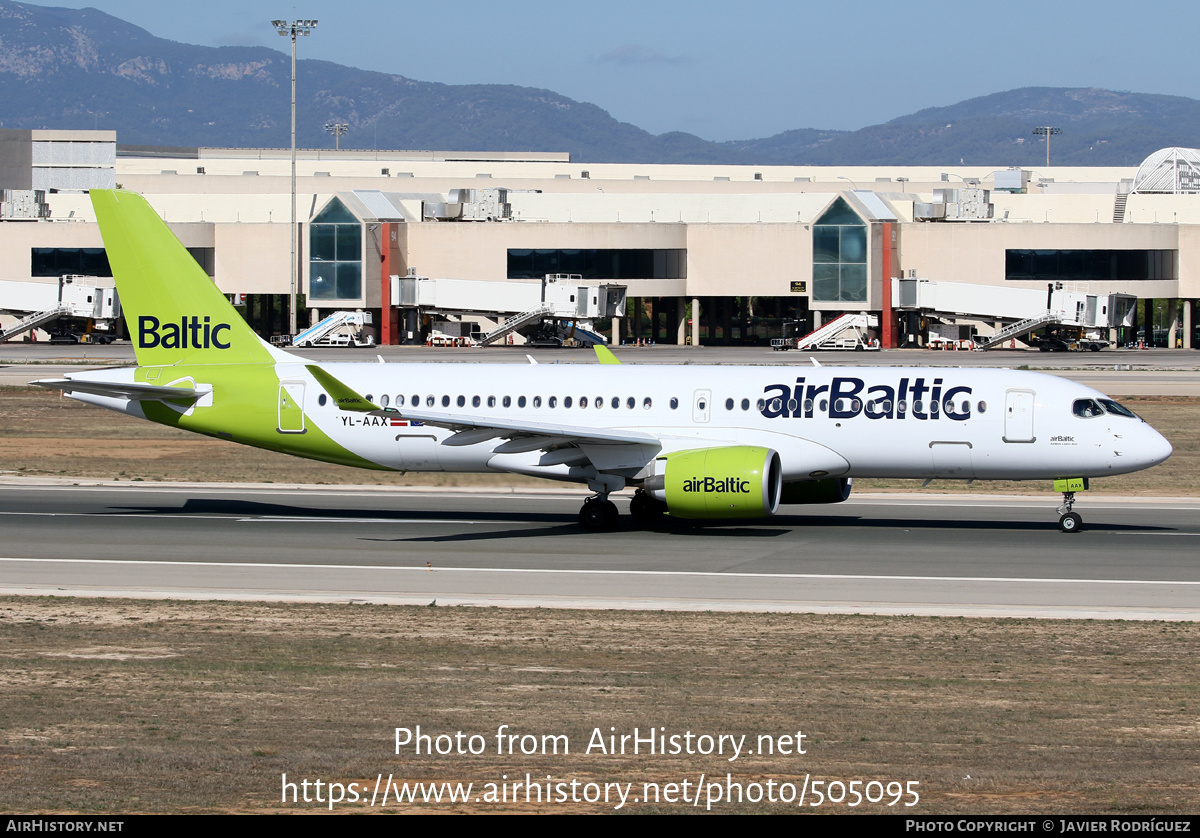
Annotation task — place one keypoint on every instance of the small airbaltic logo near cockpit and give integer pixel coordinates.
(188, 333)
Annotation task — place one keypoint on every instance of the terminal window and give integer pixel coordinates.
(335, 254)
(840, 256)
(93, 261)
(643, 263)
(1091, 265)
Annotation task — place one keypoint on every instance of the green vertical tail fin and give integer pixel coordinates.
(174, 311)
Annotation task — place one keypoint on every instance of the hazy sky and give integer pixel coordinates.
(724, 70)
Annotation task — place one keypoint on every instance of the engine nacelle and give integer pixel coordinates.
(737, 481)
(830, 490)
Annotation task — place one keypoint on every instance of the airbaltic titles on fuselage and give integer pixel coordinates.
(909, 397)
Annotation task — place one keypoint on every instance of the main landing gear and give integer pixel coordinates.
(1070, 521)
(646, 509)
(598, 514)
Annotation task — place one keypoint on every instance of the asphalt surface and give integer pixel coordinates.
(886, 554)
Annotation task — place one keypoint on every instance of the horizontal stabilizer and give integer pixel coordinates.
(120, 390)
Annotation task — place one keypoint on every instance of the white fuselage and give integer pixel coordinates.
(823, 421)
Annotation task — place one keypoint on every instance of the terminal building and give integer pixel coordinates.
(704, 254)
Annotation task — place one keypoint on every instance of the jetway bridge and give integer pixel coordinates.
(38, 304)
(571, 303)
(1020, 310)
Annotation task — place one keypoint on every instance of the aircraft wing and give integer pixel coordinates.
(122, 390)
(470, 429)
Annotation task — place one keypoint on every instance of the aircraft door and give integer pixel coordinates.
(701, 405)
(291, 407)
(1018, 416)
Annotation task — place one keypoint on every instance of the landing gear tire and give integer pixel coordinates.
(645, 510)
(1071, 522)
(598, 515)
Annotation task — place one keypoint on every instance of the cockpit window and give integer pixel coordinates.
(1087, 408)
(1118, 409)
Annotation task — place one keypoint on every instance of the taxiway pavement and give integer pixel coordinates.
(885, 554)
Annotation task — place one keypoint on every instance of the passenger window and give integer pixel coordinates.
(321, 399)
(583, 401)
(729, 404)
(476, 401)
(384, 401)
(674, 403)
(462, 401)
(445, 401)
(616, 402)
(521, 401)
(646, 403)
(491, 401)
(429, 401)
(508, 401)
(537, 401)
(552, 401)
(370, 398)
(745, 404)
(981, 407)
(399, 401)
(567, 401)
(630, 402)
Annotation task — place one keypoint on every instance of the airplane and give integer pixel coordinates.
(695, 442)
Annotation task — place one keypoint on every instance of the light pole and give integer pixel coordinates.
(286, 29)
(1047, 131)
(337, 129)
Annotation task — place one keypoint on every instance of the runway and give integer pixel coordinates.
(883, 554)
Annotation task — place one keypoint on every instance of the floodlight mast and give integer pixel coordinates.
(337, 129)
(292, 29)
(1047, 131)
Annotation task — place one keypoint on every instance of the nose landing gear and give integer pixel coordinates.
(1070, 521)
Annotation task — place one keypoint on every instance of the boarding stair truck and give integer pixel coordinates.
(75, 298)
(846, 332)
(342, 328)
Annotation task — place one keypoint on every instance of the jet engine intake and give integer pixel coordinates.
(739, 481)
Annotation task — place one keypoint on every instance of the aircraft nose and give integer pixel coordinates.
(1154, 448)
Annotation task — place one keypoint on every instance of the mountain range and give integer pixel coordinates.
(80, 69)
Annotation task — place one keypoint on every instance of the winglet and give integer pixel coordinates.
(344, 397)
(604, 354)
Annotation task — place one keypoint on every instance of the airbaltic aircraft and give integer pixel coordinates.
(699, 442)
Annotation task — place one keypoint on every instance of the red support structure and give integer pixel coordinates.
(887, 325)
(387, 334)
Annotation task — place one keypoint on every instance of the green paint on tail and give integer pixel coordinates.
(174, 311)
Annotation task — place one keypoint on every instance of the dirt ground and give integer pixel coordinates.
(42, 433)
(122, 706)
(139, 706)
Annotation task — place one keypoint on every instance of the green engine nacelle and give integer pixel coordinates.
(738, 481)
(830, 490)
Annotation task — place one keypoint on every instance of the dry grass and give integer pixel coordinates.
(44, 434)
(134, 706)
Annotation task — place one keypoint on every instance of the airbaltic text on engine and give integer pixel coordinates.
(711, 484)
(909, 397)
(188, 333)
